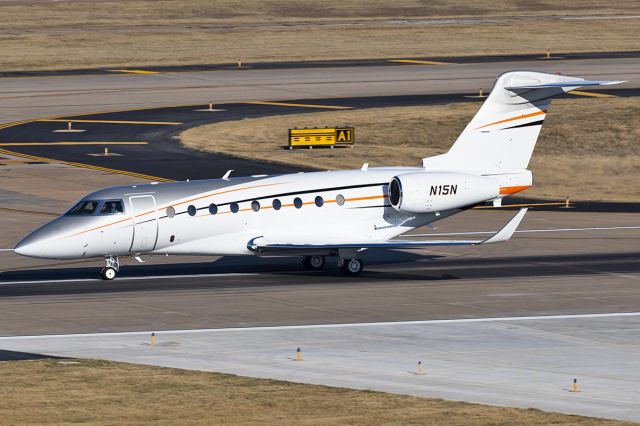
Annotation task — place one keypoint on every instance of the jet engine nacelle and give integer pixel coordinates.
(429, 192)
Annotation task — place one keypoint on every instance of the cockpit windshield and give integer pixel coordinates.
(92, 207)
(111, 207)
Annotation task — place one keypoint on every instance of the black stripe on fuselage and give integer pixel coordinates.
(285, 194)
(533, 123)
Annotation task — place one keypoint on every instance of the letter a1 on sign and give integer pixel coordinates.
(344, 135)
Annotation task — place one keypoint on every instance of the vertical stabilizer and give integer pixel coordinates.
(503, 133)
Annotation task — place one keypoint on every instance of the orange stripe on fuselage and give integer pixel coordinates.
(177, 204)
(507, 190)
(533, 114)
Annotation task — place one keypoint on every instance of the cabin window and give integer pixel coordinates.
(319, 201)
(234, 207)
(213, 209)
(276, 204)
(112, 207)
(172, 239)
(255, 205)
(340, 199)
(171, 212)
(84, 208)
(297, 202)
(192, 210)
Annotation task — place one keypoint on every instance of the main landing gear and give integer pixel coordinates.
(313, 263)
(110, 271)
(348, 266)
(351, 266)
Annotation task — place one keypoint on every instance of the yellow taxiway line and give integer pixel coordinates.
(564, 203)
(297, 105)
(417, 62)
(594, 95)
(135, 71)
(62, 120)
(87, 166)
(69, 143)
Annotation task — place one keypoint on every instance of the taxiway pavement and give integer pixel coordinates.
(27, 97)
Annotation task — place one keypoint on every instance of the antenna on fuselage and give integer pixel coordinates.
(226, 175)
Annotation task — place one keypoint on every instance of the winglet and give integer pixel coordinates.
(226, 175)
(505, 233)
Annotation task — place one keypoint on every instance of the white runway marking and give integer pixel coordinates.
(329, 326)
(155, 277)
(528, 231)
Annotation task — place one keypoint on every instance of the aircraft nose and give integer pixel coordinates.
(33, 245)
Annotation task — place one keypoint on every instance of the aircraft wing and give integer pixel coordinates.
(502, 235)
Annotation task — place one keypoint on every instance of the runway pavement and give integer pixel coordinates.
(533, 274)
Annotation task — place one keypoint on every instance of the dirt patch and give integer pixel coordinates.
(100, 392)
(588, 148)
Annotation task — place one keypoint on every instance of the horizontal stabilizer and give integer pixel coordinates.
(573, 83)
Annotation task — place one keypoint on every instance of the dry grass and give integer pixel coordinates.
(588, 148)
(63, 35)
(98, 392)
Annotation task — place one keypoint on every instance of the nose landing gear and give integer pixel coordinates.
(110, 271)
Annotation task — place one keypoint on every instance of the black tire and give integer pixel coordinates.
(108, 273)
(352, 267)
(313, 263)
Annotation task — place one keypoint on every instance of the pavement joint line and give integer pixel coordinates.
(591, 94)
(69, 143)
(297, 105)
(87, 166)
(528, 231)
(330, 326)
(155, 277)
(419, 62)
(62, 120)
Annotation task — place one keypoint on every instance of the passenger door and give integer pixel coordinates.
(145, 223)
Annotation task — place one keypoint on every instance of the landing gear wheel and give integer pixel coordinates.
(352, 267)
(313, 263)
(108, 273)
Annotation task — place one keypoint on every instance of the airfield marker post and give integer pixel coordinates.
(298, 355)
(420, 369)
(575, 385)
(153, 339)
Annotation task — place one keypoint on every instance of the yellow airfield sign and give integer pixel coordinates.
(324, 136)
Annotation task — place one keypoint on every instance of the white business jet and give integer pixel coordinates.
(317, 214)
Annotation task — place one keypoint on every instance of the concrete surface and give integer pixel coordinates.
(522, 362)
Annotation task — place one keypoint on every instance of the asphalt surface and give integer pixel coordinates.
(164, 158)
(471, 59)
(245, 292)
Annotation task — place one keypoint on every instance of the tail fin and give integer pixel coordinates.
(504, 131)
